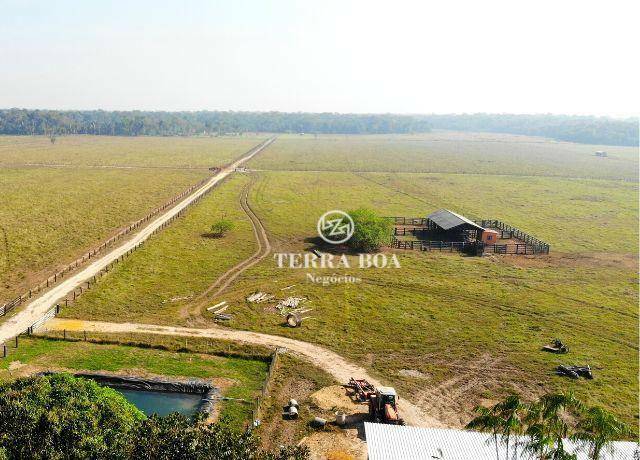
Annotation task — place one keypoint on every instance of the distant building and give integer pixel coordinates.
(394, 442)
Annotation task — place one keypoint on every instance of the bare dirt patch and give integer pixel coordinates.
(413, 373)
(452, 400)
(333, 398)
(340, 444)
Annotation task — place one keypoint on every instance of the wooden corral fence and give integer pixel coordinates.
(415, 226)
(417, 221)
(50, 281)
(508, 231)
(442, 246)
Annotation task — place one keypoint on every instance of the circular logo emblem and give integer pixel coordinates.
(335, 227)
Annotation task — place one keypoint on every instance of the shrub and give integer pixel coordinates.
(222, 227)
(371, 230)
(60, 416)
(64, 417)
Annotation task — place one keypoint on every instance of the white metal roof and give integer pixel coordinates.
(387, 391)
(393, 442)
(448, 219)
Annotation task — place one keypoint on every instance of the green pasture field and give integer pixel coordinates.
(572, 215)
(155, 282)
(143, 151)
(449, 331)
(436, 314)
(450, 152)
(50, 217)
(243, 377)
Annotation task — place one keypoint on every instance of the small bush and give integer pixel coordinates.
(371, 230)
(221, 228)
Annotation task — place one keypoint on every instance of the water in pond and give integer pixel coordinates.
(163, 403)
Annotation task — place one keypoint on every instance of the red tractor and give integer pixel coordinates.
(383, 401)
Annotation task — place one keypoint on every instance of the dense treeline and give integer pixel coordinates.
(592, 130)
(585, 130)
(61, 417)
(19, 121)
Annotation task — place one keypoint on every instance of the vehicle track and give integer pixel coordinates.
(228, 277)
(38, 307)
(332, 363)
(495, 305)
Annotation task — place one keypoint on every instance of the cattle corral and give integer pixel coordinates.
(445, 230)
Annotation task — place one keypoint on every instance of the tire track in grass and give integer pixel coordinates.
(549, 318)
(228, 277)
(340, 368)
(38, 307)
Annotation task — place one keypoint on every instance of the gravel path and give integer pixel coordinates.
(319, 356)
(39, 306)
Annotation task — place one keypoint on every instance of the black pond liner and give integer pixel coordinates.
(210, 394)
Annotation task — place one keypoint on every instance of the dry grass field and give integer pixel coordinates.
(138, 152)
(449, 331)
(450, 152)
(49, 215)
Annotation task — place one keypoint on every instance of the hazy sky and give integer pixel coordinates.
(399, 56)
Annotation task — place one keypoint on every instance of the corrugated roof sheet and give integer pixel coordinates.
(448, 219)
(392, 442)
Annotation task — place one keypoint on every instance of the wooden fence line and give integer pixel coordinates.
(7, 307)
(531, 245)
(539, 245)
(256, 412)
(56, 308)
(462, 246)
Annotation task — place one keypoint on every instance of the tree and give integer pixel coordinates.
(511, 412)
(549, 427)
(222, 227)
(598, 428)
(487, 420)
(370, 230)
(60, 416)
(175, 437)
(63, 417)
(547, 423)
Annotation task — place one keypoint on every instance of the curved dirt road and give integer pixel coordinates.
(38, 307)
(326, 360)
(223, 282)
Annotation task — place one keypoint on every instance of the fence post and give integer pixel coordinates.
(16, 341)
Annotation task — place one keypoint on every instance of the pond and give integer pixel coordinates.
(162, 402)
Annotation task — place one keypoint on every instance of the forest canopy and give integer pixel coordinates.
(582, 129)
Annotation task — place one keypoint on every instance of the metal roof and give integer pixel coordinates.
(448, 219)
(393, 442)
(387, 391)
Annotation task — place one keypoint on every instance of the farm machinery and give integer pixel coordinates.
(382, 401)
(556, 347)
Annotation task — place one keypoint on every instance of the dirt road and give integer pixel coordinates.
(325, 359)
(223, 282)
(38, 307)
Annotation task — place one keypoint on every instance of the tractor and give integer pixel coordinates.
(382, 401)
